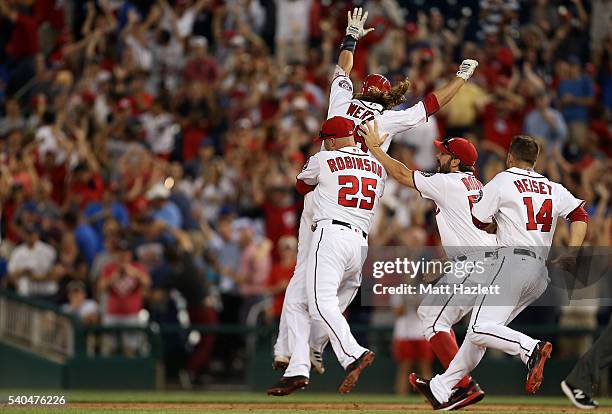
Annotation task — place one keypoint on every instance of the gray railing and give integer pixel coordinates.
(38, 328)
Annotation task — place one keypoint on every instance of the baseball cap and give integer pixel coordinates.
(337, 127)
(459, 148)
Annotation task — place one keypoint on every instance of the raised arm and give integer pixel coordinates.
(448, 91)
(354, 31)
(395, 168)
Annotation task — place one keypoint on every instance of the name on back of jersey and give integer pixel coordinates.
(355, 111)
(348, 162)
(527, 185)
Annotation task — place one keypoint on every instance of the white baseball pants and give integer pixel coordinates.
(295, 294)
(439, 314)
(335, 259)
(521, 280)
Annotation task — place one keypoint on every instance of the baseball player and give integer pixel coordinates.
(347, 183)
(578, 386)
(524, 207)
(453, 189)
(374, 101)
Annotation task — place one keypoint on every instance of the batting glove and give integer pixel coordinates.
(467, 68)
(356, 23)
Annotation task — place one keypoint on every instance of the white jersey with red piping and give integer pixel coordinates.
(342, 103)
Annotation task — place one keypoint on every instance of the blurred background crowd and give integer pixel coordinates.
(148, 149)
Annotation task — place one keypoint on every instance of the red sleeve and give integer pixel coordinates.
(303, 188)
(578, 214)
(431, 104)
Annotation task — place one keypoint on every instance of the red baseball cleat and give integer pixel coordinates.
(535, 365)
(354, 371)
(461, 397)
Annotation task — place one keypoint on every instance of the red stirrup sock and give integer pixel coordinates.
(444, 345)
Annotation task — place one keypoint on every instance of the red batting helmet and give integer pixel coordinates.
(375, 81)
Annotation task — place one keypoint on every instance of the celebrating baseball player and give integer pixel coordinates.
(524, 207)
(374, 101)
(454, 190)
(347, 183)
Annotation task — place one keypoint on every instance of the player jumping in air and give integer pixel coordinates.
(375, 101)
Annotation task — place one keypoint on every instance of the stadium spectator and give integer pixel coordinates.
(546, 123)
(410, 350)
(162, 208)
(78, 304)
(280, 274)
(181, 273)
(576, 95)
(253, 268)
(70, 266)
(125, 284)
(30, 266)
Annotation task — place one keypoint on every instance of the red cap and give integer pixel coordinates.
(459, 148)
(375, 81)
(337, 127)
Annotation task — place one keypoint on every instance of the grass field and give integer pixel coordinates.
(256, 403)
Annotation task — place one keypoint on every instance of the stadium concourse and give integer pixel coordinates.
(157, 143)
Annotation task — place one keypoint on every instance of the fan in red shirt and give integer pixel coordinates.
(281, 272)
(125, 283)
(502, 119)
(280, 212)
(85, 185)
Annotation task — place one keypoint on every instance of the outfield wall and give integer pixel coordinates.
(26, 363)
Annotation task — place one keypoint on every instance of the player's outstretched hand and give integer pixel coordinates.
(369, 132)
(466, 69)
(356, 22)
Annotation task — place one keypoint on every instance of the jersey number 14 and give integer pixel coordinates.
(544, 216)
(350, 186)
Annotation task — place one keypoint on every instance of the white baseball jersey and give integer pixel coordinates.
(525, 206)
(341, 103)
(349, 184)
(454, 195)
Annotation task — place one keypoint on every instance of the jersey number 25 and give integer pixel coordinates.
(350, 186)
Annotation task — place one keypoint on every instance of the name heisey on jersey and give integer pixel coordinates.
(358, 163)
(533, 186)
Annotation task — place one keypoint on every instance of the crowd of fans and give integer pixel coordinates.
(148, 149)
